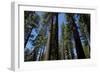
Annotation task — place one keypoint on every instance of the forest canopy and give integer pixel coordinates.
(56, 36)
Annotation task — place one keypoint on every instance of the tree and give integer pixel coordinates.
(66, 41)
(31, 20)
(78, 45)
(40, 42)
(47, 20)
(85, 18)
(62, 42)
(85, 32)
(71, 42)
(52, 44)
(54, 38)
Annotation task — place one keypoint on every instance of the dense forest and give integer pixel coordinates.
(56, 36)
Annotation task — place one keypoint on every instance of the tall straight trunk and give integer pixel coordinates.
(63, 50)
(46, 56)
(87, 22)
(56, 37)
(79, 48)
(51, 39)
(52, 43)
(53, 53)
(49, 46)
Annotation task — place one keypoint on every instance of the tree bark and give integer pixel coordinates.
(79, 48)
(51, 39)
(56, 37)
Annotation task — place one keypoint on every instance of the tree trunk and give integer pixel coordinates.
(79, 48)
(53, 53)
(51, 39)
(46, 56)
(56, 37)
(48, 46)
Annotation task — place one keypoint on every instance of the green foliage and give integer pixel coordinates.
(45, 44)
(30, 21)
(66, 40)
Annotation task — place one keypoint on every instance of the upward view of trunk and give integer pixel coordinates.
(62, 42)
(85, 22)
(56, 37)
(53, 51)
(46, 56)
(51, 39)
(78, 45)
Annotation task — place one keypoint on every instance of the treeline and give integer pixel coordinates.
(42, 29)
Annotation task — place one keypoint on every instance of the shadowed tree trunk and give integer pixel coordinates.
(84, 23)
(46, 56)
(86, 20)
(53, 51)
(49, 20)
(51, 39)
(78, 45)
(56, 37)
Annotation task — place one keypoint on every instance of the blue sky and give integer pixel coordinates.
(29, 44)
